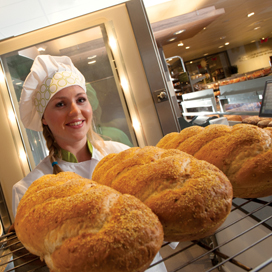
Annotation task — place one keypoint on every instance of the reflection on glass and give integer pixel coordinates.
(89, 53)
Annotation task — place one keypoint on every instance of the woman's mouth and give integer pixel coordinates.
(74, 124)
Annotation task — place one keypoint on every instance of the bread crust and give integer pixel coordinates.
(192, 198)
(242, 152)
(80, 225)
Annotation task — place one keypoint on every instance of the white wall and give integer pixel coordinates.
(251, 57)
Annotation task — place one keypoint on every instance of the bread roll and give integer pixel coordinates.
(243, 152)
(75, 224)
(234, 118)
(252, 120)
(192, 198)
(264, 122)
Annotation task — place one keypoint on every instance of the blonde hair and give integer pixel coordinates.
(55, 150)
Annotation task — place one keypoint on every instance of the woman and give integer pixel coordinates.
(54, 101)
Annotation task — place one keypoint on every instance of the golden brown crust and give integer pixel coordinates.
(252, 120)
(232, 150)
(172, 140)
(234, 118)
(263, 123)
(269, 131)
(192, 198)
(193, 144)
(258, 168)
(84, 226)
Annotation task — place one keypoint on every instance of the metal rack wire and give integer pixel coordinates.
(209, 254)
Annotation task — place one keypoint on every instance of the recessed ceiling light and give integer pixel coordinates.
(204, 28)
(180, 31)
(227, 43)
(180, 44)
(256, 28)
(250, 14)
(187, 47)
(92, 62)
(220, 46)
(172, 39)
(191, 62)
(92, 57)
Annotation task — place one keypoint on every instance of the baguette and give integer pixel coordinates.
(192, 198)
(75, 224)
(243, 152)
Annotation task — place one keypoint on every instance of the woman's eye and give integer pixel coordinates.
(81, 100)
(59, 104)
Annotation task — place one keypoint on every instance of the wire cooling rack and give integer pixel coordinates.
(242, 243)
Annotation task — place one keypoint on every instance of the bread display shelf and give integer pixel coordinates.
(209, 254)
(251, 113)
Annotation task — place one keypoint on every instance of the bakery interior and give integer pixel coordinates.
(156, 67)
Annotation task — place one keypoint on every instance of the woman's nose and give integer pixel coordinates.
(74, 109)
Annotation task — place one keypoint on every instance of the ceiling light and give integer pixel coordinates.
(92, 62)
(227, 43)
(191, 62)
(172, 39)
(250, 14)
(204, 28)
(187, 47)
(92, 57)
(206, 54)
(180, 31)
(256, 28)
(180, 44)
(41, 49)
(220, 46)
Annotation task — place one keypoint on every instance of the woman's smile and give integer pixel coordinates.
(69, 115)
(76, 124)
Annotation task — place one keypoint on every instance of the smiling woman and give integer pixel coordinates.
(54, 100)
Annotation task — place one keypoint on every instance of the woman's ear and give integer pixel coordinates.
(44, 122)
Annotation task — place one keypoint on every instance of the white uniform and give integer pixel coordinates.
(84, 169)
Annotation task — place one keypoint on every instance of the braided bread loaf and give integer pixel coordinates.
(243, 152)
(192, 198)
(76, 225)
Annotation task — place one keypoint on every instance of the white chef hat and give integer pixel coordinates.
(48, 75)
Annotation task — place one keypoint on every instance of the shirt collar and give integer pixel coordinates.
(70, 157)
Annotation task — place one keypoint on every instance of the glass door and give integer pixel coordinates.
(116, 52)
(90, 52)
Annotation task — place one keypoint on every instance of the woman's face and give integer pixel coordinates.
(69, 116)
